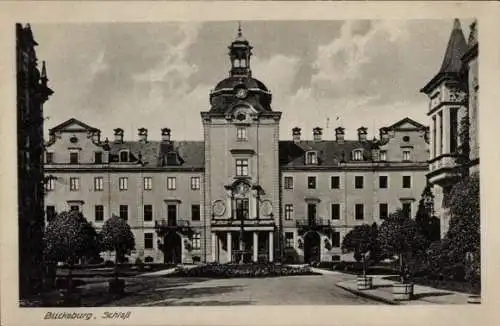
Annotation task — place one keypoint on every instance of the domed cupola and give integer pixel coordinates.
(240, 87)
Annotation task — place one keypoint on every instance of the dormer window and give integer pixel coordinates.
(124, 156)
(383, 155)
(172, 158)
(357, 155)
(73, 158)
(311, 157)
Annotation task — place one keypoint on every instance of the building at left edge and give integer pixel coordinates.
(32, 93)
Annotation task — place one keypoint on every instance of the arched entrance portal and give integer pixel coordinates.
(312, 243)
(173, 248)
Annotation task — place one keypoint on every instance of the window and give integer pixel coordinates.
(171, 183)
(383, 155)
(406, 155)
(311, 158)
(289, 239)
(73, 158)
(74, 184)
(172, 215)
(382, 182)
(197, 241)
(49, 157)
(311, 212)
(335, 211)
(241, 167)
(336, 239)
(172, 158)
(288, 212)
(288, 181)
(335, 182)
(358, 182)
(98, 157)
(441, 132)
(242, 209)
(357, 155)
(434, 140)
(195, 183)
(148, 240)
(383, 211)
(99, 213)
(407, 209)
(195, 212)
(124, 156)
(453, 130)
(50, 184)
(241, 133)
(148, 183)
(311, 182)
(124, 212)
(74, 208)
(359, 211)
(98, 183)
(50, 212)
(406, 181)
(148, 213)
(123, 183)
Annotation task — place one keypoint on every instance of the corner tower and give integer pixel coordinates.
(447, 92)
(241, 134)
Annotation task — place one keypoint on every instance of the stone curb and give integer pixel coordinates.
(367, 295)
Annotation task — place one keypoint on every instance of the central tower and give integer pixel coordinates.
(241, 134)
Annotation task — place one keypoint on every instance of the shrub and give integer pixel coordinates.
(399, 236)
(117, 236)
(215, 270)
(361, 240)
(148, 259)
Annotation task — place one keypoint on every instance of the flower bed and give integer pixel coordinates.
(246, 270)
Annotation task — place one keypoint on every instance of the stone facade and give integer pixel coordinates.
(453, 96)
(259, 198)
(32, 93)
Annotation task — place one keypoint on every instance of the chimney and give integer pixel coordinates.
(362, 132)
(317, 132)
(384, 135)
(118, 135)
(143, 135)
(296, 134)
(165, 134)
(339, 134)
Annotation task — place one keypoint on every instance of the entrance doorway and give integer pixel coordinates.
(312, 242)
(172, 248)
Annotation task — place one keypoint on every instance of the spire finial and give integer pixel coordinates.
(239, 29)
(456, 24)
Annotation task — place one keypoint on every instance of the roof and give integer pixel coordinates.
(72, 121)
(457, 46)
(405, 124)
(188, 154)
(451, 66)
(330, 152)
(248, 82)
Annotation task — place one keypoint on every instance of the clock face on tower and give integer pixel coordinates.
(241, 93)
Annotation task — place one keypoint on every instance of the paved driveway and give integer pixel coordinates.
(291, 290)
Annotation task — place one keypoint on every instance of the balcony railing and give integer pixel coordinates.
(314, 224)
(164, 225)
(246, 222)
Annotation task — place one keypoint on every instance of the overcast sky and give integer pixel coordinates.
(154, 75)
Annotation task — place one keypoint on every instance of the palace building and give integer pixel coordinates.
(454, 112)
(241, 193)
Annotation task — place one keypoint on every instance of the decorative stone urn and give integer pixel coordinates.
(402, 291)
(364, 282)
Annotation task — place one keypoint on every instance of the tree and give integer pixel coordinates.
(68, 238)
(427, 223)
(399, 236)
(117, 236)
(463, 236)
(361, 240)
